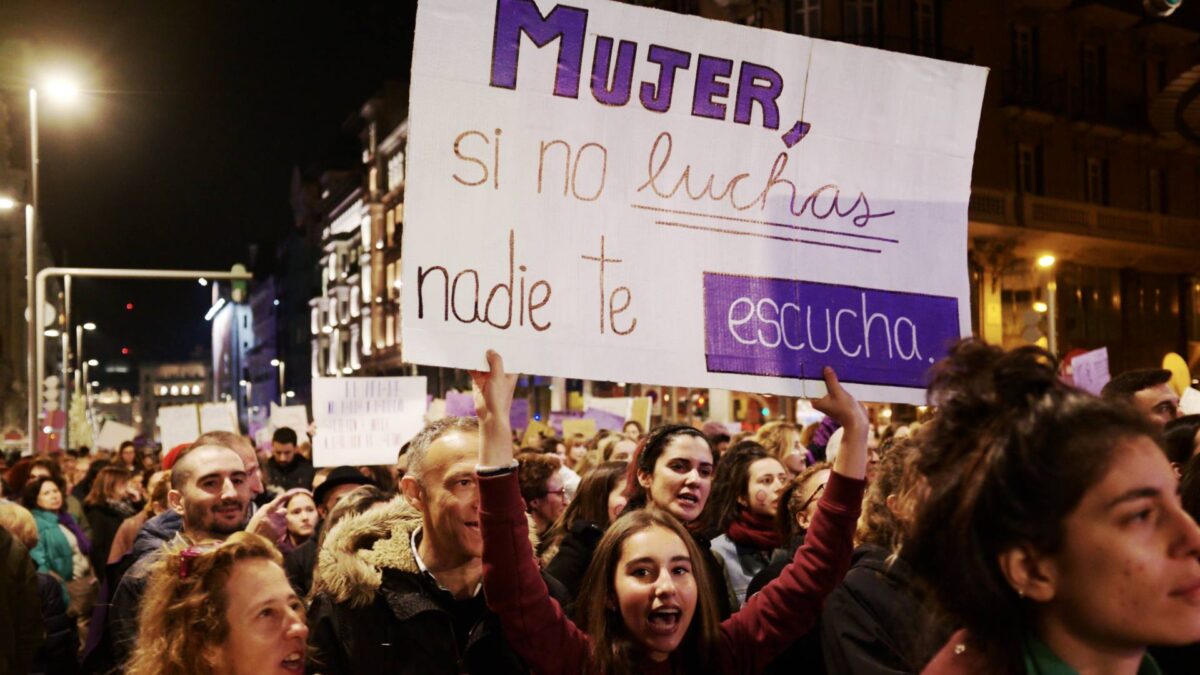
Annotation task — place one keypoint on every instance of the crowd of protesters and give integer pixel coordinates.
(1024, 526)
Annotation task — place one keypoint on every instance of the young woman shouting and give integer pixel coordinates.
(646, 604)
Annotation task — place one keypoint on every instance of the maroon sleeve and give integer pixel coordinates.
(789, 606)
(533, 622)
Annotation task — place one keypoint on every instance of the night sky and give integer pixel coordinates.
(183, 155)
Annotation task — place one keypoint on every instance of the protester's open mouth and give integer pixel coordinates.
(664, 621)
(687, 498)
(294, 662)
(473, 524)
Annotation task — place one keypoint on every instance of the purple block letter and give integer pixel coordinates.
(514, 17)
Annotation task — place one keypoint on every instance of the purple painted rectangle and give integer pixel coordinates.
(791, 328)
(518, 415)
(604, 419)
(557, 417)
(459, 404)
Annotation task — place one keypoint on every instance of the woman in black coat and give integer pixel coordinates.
(106, 506)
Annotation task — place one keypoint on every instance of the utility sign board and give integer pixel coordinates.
(604, 191)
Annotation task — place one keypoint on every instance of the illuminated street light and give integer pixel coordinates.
(89, 326)
(1040, 307)
(275, 362)
(52, 333)
(291, 394)
(7, 203)
(62, 89)
(203, 281)
(93, 362)
(1046, 261)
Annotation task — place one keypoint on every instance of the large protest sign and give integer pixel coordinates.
(113, 434)
(610, 192)
(365, 420)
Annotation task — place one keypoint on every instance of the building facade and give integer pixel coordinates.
(168, 384)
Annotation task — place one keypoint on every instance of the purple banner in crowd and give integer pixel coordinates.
(789, 328)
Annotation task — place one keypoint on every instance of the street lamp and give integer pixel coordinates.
(7, 203)
(281, 367)
(64, 90)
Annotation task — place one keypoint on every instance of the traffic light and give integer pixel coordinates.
(237, 288)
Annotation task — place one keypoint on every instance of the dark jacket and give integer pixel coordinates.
(105, 521)
(155, 533)
(21, 628)
(299, 564)
(374, 611)
(127, 597)
(875, 622)
(297, 474)
(575, 551)
(57, 655)
(807, 648)
(553, 645)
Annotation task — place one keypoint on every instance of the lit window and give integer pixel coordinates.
(195, 390)
(162, 390)
(174, 390)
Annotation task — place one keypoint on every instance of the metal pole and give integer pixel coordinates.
(65, 396)
(1052, 312)
(32, 331)
(39, 292)
(282, 391)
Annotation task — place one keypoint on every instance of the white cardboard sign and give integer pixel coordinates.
(113, 434)
(178, 424)
(294, 417)
(365, 420)
(653, 197)
(219, 417)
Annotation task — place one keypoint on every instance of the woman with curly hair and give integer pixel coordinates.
(223, 609)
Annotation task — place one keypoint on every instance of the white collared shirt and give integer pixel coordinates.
(416, 540)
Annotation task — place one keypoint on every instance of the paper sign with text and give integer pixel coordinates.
(365, 420)
(1090, 370)
(611, 192)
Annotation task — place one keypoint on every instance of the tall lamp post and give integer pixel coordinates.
(281, 366)
(65, 91)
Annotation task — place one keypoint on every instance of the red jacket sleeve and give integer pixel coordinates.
(789, 606)
(533, 622)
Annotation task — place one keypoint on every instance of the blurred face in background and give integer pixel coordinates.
(49, 497)
(301, 516)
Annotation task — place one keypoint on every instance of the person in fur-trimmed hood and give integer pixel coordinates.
(398, 589)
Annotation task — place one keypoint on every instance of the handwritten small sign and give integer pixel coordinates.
(1090, 370)
(365, 420)
(637, 195)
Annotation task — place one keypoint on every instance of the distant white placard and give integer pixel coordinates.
(294, 417)
(610, 192)
(178, 424)
(219, 417)
(1189, 403)
(1090, 370)
(113, 434)
(365, 420)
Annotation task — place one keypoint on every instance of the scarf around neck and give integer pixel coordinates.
(754, 530)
